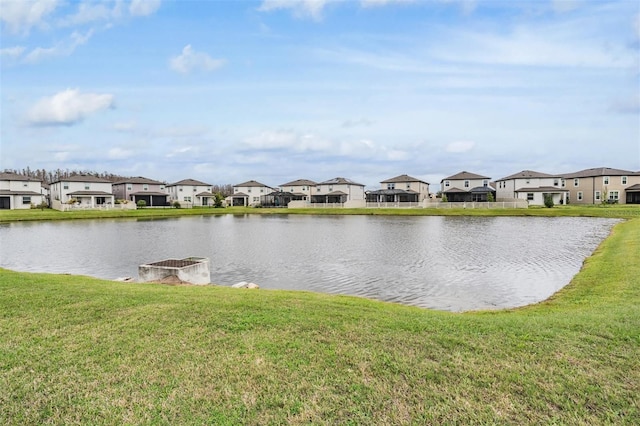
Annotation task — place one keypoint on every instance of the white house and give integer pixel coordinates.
(248, 193)
(339, 191)
(20, 192)
(400, 189)
(467, 187)
(82, 191)
(190, 192)
(532, 186)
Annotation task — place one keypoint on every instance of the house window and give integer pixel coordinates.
(261, 189)
(249, 190)
(26, 200)
(235, 189)
(466, 183)
(563, 183)
(408, 186)
(446, 183)
(86, 186)
(161, 187)
(605, 180)
(528, 181)
(579, 195)
(623, 180)
(485, 183)
(180, 189)
(614, 195)
(330, 188)
(25, 184)
(556, 182)
(187, 199)
(195, 189)
(529, 196)
(66, 185)
(145, 187)
(129, 187)
(576, 182)
(391, 186)
(597, 196)
(256, 199)
(319, 188)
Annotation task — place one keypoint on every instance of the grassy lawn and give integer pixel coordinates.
(615, 211)
(77, 350)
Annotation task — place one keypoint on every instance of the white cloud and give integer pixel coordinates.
(372, 3)
(143, 7)
(68, 107)
(460, 146)
(190, 60)
(21, 15)
(13, 52)
(119, 154)
(300, 8)
(90, 12)
(64, 48)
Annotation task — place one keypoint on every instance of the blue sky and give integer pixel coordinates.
(277, 90)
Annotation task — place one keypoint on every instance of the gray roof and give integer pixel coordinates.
(205, 194)
(633, 188)
(299, 182)
(528, 174)
(7, 192)
(14, 176)
(83, 178)
(392, 192)
(189, 182)
(252, 183)
(150, 193)
(340, 180)
(335, 193)
(600, 171)
(542, 189)
(403, 178)
(138, 179)
(89, 193)
(465, 176)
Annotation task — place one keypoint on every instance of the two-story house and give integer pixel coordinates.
(467, 187)
(248, 193)
(135, 189)
(400, 189)
(339, 191)
(533, 187)
(83, 191)
(19, 192)
(303, 189)
(603, 184)
(191, 193)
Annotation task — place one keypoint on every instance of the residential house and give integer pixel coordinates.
(467, 187)
(302, 188)
(593, 186)
(20, 192)
(248, 193)
(135, 189)
(533, 187)
(339, 190)
(400, 189)
(191, 193)
(84, 191)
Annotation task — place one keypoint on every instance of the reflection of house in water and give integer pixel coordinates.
(467, 187)
(400, 189)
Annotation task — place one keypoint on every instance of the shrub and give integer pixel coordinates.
(490, 198)
(444, 198)
(176, 204)
(548, 200)
(141, 204)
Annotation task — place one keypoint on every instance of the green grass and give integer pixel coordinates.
(78, 350)
(615, 211)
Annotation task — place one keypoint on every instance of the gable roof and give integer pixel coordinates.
(300, 182)
(403, 178)
(464, 175)
(191, 182)
(83, 178)
(340, 180)
(14, 176)
(251, 183)
(138, 180)
(528, 174)
(600, 171)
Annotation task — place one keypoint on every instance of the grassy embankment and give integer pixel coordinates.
(616, 211)
(86, 351)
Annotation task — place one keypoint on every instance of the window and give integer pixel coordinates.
(261, 190)
(129, 187)
(180, 189)
(391, 186)
(576, 182)
(446, 183)
(466, 183)
(579, 195)
(161, 187)
(605, 180)
(235, 189)
(556, 182)
(529, 196)
(26, 200)
(187, 199)
(563, 183)
(319, 188)
(145, 187)
(256, 199)
(330, 188)
(66, 185)
(26, 184)
(86, 186)
(408, 186)
(249, 190)
(485, 183)
(195, 189)
(528, 181)
(623, 180)
(597, 196)
(614, 195)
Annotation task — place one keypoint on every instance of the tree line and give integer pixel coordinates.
(50, 176)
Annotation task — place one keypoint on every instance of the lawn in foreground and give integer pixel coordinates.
(86, 351)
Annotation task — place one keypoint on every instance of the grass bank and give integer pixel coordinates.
(614, 211)
(77, 350)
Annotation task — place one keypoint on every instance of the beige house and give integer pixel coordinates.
(339, 191)
(603, 184)
(20, 192)
(400, 189)
(81, 191)
(467, 187)
(303, 188)
(152, 192)
(248, 193)
(190, 193)
(532, 187)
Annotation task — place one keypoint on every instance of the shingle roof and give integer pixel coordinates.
(542, 189)
(339, 180)
(138, 179)
(403, 178)
(599, 171)
(14, 176)
(8, 192)
(528, 174)
(251, 183)
(188, 182)
(83, 178)
(300, 182)
(89, 193)
(465, 175)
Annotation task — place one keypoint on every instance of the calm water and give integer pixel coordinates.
(449, 263)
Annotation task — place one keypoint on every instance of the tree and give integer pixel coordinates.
(490, 198)
(444, 198)
(217, 200)
(548, 200)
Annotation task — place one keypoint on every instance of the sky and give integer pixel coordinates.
(278, 90)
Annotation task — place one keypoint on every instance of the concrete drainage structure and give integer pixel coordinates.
(192, 270)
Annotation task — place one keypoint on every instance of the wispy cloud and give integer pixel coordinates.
(63, 48)
(13, 52)
(144, 7)
(300, 8)
(190, 60)
(22, 15)
(68, 107)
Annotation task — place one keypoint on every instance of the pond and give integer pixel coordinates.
(447, 263)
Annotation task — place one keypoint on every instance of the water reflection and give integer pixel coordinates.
(451, 263)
